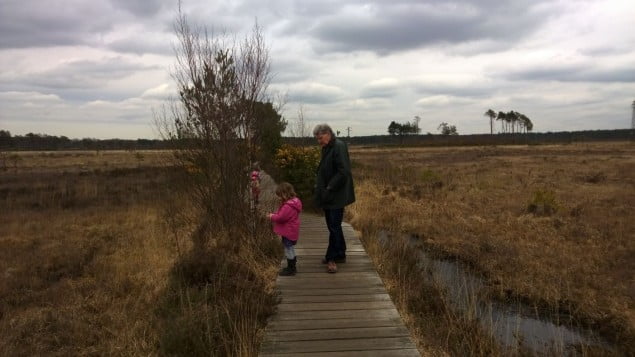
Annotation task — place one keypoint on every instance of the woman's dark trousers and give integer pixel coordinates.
(337, 245)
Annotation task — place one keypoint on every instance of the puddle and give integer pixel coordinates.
(512, 325)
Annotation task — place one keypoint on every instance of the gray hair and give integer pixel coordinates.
(323, 129)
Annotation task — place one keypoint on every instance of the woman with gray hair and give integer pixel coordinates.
(333, 191)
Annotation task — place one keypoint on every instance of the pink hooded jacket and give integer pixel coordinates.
(286, 222)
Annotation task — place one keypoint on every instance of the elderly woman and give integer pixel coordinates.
(333, 191)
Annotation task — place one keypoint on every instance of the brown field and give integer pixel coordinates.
(90, 241)
(89, 245)
(553, 225)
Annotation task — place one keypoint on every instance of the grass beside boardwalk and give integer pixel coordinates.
(551, 225)
(95, 260)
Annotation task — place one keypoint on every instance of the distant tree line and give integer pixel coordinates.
(32, 141)
(28, 142)
(447, 129)
(403, 128)
(511, 122)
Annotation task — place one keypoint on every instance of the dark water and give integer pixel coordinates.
(512, 325)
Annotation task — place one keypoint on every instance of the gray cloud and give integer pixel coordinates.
(349, 61)
(32, 23)
(85, 74)
(290, 70)
(383, 88)
(315, 93)
(140, 45)
(143, 8)
(573, 73)
(385, 28)
(80, 81)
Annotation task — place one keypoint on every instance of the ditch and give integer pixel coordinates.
(515, 326)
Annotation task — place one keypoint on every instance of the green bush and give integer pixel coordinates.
(543, 203)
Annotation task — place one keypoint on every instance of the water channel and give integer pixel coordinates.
(512, 325)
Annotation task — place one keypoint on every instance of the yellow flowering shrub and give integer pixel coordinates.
(298, 166)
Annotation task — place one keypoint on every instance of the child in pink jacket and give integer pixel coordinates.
(286, 223)
(255, 182)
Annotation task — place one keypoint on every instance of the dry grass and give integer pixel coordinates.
(92, 249)
(83, 257)
(552, 225)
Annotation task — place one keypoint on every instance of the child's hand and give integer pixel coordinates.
(270, 215)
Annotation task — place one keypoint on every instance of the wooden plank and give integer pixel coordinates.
(323, 283)
(344, 274)
(339, 333)
(332, 306)
(317, 260)
(355, 344)
(334, 291)
(361, 321)
(338, 315)
(301, 299)
(319, 268)
(412, 352)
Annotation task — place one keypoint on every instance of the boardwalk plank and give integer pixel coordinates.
(302, 299)
(353, 344)
(331, 306)
(340, 333)
(377, 353)
(362, 321)
(323, 291)
(334, 314)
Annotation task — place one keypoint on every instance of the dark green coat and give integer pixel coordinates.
(334, 182)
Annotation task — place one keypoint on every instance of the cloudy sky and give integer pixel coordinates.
(99, 68)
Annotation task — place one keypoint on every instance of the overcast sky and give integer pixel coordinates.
(99, 68)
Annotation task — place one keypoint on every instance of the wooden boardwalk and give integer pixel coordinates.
(344, 314)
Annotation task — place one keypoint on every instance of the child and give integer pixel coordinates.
(286, 222)
(255, 182)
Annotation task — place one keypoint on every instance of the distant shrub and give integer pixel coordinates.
(298, 166)
(543, 203)
(595, 178)
(431, 179)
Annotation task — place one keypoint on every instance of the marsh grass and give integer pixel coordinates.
(95, 257)
(576, 259)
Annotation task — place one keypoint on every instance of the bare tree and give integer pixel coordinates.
(300, 128)
(213, 123)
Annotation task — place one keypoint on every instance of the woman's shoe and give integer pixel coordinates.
(332, 268)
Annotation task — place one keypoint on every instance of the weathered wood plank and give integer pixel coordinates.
(362, 321)
(318, 283)
(340, 333)
(377, 353)
(338, 315)
(332, 306)
(302, 299)
(291, 291)
(354, 344)
(316, 260)
(305, 267)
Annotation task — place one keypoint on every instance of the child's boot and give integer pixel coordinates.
(290, 269)
(293, 261)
